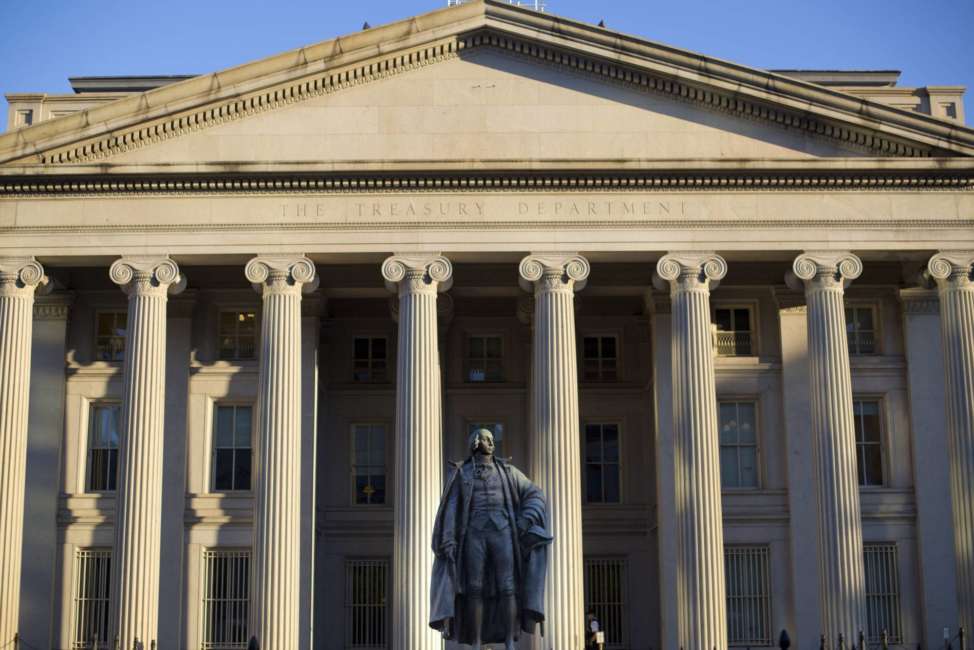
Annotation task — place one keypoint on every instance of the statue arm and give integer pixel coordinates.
(532, 510)
(445, 533)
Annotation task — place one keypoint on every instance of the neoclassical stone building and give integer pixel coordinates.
(723, 316)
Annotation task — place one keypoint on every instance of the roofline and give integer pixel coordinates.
(616, 47)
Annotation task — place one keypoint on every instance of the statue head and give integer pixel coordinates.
(481, 441)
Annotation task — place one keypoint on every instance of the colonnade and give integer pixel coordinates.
(556, 456)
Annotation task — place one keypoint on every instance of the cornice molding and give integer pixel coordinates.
(650, 71)
(479, 182)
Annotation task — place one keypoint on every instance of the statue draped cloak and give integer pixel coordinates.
(523, 501)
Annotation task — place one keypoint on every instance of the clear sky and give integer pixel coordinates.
(931, 41)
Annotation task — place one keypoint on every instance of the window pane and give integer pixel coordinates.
(593, 482)
(870, 421)
(728, 423)
(223, 470)
(864, 316)
(361, 444)
(746, 425)
(361, 348)
(379, 487)
(609, 347)
(242, 430)
(378, 348)
(611, 480)
(742, 320)
(105, 433)
(610, 443)
(494, 347)
(873, 461)
(722, 317)
(593, 442)
(224, 426)
(749, 467)
(728, 467)
(242, 469)
(590, 347)
(476, 347)
(98, 469)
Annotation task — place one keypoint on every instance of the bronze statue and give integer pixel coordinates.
(491, 546)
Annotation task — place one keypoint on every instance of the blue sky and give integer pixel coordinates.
(931, 41)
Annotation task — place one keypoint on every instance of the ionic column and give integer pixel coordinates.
(841, 574)
(19, 277)
(699, 523)
(556, 462)
(419, 443)
(276, 590)
(954, 273)
(138, 503)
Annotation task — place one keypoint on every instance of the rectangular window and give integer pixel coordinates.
(25, 117)
(602, 463)
(110, 335)
(232, 448)
(605, 596)
(371, 360)
(738, 445)
(226, 599)
(861, 330)
(496, 428)
(748, 584)
(882, 592)
(733, 331)
(369, 463)
(484, 359)
(92, 592)
(238, 335)
(103, 440)
(600, 361)
(869, 447)
(366, 596)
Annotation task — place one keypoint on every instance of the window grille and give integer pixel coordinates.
(738, 445)
(226, 598)
(882, 592)
(369, 463)
(232, 448)
(748, 585)
(238, 335)
(93, 579)
(110, 335)
(484, 360)
(600, 360)
(371, 359)
(496, 428)
(103, 441)
(602, 463)
(366, 595)
(869, 447)
(861, 330)
(733, 337)
(605, 595)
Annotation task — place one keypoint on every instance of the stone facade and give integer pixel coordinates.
(723, 316)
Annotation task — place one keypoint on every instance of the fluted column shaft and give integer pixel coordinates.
(841, 575)
(700, 537)
(276, 590)
(138, 504)
(555, 441)
(19, 277)
(954, 273)
(418, 444)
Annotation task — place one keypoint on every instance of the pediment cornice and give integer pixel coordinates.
(202, 102)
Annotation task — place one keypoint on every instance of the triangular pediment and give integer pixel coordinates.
(483, 81)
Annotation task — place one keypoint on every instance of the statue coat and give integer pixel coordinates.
(525, 503)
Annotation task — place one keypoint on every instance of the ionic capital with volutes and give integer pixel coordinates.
(140, 275)
(548, 272)
(824, 270)
(288, 274)
(417, 274)
(954, 269)
(21, 276)
(689, 271)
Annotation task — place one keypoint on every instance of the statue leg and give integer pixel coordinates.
(475, 605)
(475, 559)
(512, 624)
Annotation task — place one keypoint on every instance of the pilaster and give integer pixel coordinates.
(841, 571)
(954, 274)
(416, 279)
(555, 442)
(699, 524)
(276, 589)
(928, 427)
(138, 507)
(19, 279)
